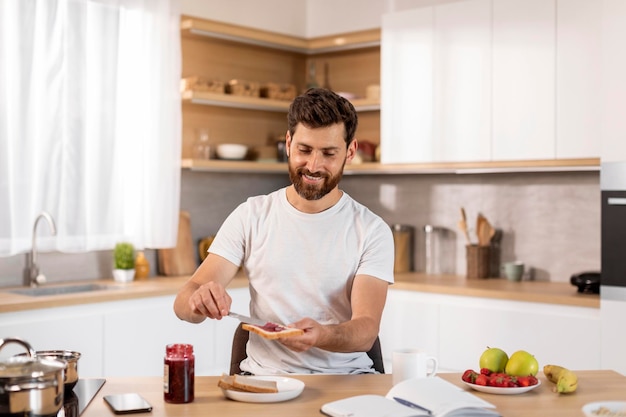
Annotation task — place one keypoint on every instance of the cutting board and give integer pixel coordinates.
(181, 259)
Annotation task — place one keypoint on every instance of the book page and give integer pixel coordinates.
(369, 406)
(441, 397)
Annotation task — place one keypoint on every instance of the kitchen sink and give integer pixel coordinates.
(58, 290)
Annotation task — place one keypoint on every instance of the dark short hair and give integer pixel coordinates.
(320, 107)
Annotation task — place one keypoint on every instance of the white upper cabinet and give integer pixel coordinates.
(407, 86)
(436, 84)
(492, 80)
(462, 94)
(523, 79)
(613, 132)
(578, 65)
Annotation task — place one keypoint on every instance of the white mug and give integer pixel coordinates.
(412, 363)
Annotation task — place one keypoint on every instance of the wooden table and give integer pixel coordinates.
(209, 400)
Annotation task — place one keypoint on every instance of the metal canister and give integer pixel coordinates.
(403, 240)
(432, 249)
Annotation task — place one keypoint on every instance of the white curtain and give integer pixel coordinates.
(90, 123)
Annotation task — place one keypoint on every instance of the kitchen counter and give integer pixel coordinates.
(540, 292)
(562, 293)
(320, 389)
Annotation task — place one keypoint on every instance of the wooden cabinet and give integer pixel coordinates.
(347, 63)
(458, 329)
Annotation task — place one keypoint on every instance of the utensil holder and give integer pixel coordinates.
(478, 265)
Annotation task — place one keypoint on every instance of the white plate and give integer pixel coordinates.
(288, 389)
(502, 390)
(613, 406)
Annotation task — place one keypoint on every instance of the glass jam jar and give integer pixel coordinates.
(178, 373)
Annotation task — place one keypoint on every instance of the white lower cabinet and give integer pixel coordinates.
(458, 329)
(72, 328)
(125, 338)
(407, 323)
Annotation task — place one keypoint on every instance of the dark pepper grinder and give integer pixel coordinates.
(178, 373)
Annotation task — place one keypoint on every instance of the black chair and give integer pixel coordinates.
(240, 338)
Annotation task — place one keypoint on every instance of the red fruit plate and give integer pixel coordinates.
(502, 390)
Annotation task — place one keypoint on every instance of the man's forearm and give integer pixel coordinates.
(357, 335)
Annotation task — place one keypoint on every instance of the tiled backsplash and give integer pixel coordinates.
(551, 221)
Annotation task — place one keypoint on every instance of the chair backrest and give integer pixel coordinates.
(240, 339)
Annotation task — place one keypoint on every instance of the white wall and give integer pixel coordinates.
(281, 16)
(304, 18)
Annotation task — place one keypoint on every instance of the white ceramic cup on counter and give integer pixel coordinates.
(412, 363)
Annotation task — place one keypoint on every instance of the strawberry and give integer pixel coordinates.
(523, 381)
(469, 376)
(485, 371)
(481, 380)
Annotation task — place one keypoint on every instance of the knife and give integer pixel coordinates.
(246, 319)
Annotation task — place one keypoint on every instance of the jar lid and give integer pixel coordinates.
(179, 350)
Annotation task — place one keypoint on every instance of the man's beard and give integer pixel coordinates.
(309, 191)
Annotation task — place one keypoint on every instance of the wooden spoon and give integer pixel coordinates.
(463, 226)
(484, 230)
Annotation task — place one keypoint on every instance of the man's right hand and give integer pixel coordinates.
(210, 300)
(204, 295)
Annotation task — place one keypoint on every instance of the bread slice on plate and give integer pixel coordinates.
(272, 330)
(247, 384)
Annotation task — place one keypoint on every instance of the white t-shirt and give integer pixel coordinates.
(302, 265)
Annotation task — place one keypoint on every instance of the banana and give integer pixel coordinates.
(566, 381)
(552, 372)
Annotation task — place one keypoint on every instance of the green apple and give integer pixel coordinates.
(494, 359)
(522, 363)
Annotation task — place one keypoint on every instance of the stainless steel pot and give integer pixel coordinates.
(68, 356)
(29, 385)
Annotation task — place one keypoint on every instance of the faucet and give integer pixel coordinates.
(31, 277)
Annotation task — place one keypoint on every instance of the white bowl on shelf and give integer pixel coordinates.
(231, 151)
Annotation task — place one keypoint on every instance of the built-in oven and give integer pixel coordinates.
(613, 244)
(613, 258)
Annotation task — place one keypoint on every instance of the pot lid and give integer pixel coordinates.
(28, 366)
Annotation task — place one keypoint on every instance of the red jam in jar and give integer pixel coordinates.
(178, 373)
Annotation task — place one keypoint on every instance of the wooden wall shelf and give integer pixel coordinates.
(487, 167)
(192, 26)
(263, 104)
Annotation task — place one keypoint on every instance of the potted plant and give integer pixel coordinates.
(124, 260)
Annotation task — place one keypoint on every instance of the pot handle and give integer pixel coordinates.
(28, 347)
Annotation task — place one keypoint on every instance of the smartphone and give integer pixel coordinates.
(128, 403)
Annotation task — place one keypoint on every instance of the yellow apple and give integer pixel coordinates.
(494, 359)
(522, 363)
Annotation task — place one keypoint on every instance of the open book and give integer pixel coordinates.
(414, 397)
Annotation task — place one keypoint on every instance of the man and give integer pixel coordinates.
(316, 259)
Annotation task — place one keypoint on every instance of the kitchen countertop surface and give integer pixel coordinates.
(319, 389)
(558, 293)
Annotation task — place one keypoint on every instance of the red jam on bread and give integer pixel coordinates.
(272, 330)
